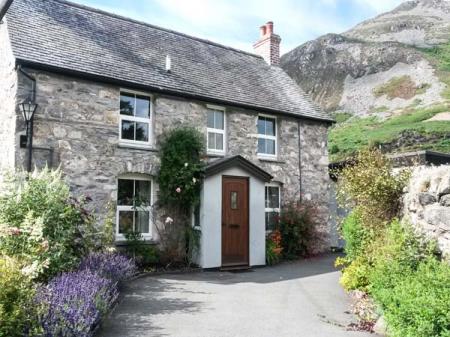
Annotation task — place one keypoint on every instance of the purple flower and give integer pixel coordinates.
(73, 303)
(113, 266)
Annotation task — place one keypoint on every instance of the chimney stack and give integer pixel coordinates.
(268, 45)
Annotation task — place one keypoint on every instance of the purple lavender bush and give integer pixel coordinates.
(73, 303)
(113, 266)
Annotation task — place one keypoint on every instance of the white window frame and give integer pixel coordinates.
(219, 131)
(149, 121)
(271, 210)
(275, 138)
(149, 235)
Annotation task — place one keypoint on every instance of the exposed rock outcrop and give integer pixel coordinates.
(341, 71)
(427, 203)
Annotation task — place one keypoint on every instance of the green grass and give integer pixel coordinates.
(346, 139)
(440, 56)
(342, 117)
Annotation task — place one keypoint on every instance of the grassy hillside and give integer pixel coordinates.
(354, 133)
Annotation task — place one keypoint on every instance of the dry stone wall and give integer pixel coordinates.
(427, 203)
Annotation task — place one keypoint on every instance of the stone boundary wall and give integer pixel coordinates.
(426, 203)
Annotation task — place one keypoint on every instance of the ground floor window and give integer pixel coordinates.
(134, 200)
(273, 201)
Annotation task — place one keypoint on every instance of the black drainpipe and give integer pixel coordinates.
(300, 158)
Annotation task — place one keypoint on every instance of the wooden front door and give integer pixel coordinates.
(235, 222)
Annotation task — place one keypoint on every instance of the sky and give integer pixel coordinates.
(236, 23)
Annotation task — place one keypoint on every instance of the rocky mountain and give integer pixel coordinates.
(386, 77)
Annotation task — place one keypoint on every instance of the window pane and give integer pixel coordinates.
(270, 146)
(125, 192)
(270, 127)
(142, 132)
(128, 130)
(211, 119)
(127, 104)
(261, 145)
(125, 221)
(219, 120)
(143, 192)
(272, 197)
(211, 140)
(142, 106)
(219, 141)
(261, 125)
(142, 221)
(271, 220)
(234, 200)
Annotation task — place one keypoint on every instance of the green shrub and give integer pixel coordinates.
(271, 255)
(145, 255)
(298, 227)
(42, 225)
(415, 303)
(182, 167)
(370, 184)
(16, 300)
(356, 236)
(356, 274)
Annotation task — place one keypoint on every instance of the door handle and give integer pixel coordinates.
(234, 226)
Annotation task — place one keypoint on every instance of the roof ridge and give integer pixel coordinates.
(140, 22)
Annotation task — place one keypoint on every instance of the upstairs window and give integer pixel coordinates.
(135, 118)
(134, 200)
(216, 131)
(273, 200)
(267, 136)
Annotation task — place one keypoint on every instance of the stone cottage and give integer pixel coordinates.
(108, 88)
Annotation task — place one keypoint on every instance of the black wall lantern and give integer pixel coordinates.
(28, 109)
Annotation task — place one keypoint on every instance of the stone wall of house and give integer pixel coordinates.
(427, 203)
(8, 89)
(79, 121)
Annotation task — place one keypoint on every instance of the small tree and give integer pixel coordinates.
(370, 184)
(180, 179)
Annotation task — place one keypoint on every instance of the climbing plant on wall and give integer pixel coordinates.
(180, 180)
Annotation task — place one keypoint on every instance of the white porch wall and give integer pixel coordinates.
(211, 220)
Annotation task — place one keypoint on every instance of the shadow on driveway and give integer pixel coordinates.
(301, 298)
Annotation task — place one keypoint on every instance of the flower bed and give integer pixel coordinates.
(73, 303)
(54, 281)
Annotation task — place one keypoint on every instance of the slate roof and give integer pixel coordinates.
(68, 37)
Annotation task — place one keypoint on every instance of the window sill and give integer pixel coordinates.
(121, 242)
(137, 147)
(270, 159)
(215, 155)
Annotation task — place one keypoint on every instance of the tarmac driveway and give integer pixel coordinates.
(294, 299)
